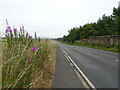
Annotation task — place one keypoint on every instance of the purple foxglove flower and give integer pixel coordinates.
(15, 30)
(30, 60)
(7, 31)
(9, 27)
(10, 31)
(33, 49)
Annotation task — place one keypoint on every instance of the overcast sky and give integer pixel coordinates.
(52, 18)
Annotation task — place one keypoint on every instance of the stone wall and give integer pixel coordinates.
(108, 39)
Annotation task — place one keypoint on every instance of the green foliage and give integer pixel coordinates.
(116, 15)
(107, 25)
(106, 47)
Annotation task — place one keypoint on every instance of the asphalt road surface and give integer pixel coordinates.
(100, 67)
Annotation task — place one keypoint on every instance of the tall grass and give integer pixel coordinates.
(23, 58)
(0, 63)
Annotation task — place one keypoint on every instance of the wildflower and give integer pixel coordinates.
(30, 36)
(30, 60)
(15, 30)
(33, 49)
(8, 32)
(8, 29)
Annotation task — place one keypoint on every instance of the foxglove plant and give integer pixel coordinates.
(23, 58)
(8, 29)
(33, 49)
(8, 32)
(15, 30)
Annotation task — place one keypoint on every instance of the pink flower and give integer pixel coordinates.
(33, 49)
(30, 60)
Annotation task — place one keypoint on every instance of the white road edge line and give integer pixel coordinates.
(81, 79)
(117, 60)
(67, 58)
(71, 64)
(80, 71)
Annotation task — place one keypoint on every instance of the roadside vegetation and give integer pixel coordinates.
(105, 47)
(27, 62)
(107, 25)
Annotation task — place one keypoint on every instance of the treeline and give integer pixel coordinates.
(107, 25)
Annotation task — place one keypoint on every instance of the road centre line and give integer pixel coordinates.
(90, 85)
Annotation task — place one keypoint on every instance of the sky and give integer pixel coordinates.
(52, 18)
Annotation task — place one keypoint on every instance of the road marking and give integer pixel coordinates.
(81, 79)
(88, 83)
(117, 60)
(66, 57)
(71, 64)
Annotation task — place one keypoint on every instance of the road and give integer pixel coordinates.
(100, 67)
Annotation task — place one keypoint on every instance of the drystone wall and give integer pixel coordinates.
(108, 39)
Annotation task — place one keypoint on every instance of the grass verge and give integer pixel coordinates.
(26, 62)
(105, 47)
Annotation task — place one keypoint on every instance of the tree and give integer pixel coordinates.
(107, 25)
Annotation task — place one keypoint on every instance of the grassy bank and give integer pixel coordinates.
(105, 47)
(26, 62)
(0, 63)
